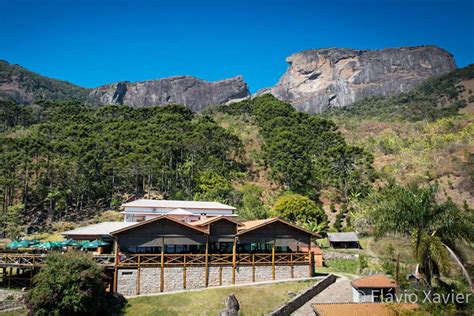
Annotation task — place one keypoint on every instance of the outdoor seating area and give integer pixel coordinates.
(36, 246)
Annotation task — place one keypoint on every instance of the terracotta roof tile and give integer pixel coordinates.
(377, 281)
(362, 309)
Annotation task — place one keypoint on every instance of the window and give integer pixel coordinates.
(139, 218)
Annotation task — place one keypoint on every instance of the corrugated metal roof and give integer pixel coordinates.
(104, 228)
(341, 237)
(178, 204)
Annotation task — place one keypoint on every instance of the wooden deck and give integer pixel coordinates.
(17, 270)
(135, 260)
(17, 260)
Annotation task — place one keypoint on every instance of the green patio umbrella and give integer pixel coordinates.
(47, 245)
(23, 244)
(95, 244)
(13, 244)
(70, 243)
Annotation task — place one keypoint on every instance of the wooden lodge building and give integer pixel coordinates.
(166, 253)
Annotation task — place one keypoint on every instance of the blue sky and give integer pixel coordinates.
(96, 42)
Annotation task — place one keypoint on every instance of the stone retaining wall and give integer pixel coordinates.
(179, 278)
(304, 297)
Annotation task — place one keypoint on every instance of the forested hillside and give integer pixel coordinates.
(24, 86)
(67, 161)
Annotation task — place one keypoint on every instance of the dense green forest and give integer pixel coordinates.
(69, 161)
(66, 161)
(60, 158)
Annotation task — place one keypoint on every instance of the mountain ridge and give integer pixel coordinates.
(316, 80)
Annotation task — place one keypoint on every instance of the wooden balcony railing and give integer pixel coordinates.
(135, 260)
(34, 260)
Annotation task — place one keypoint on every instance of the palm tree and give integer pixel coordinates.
(436, 228)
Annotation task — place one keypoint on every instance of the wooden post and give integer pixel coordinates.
(234, 254)
(10, 277)
(292, 270)
(311, 257)
(253, 267)
(184, 272)
(116, 262)
(32, 272)
(273, 261)
(138, 275)
(220, 275)
(206, 263)
(162, 272)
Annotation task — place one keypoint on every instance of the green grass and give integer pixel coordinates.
(254, 300)
(18, 312)
(342, 265)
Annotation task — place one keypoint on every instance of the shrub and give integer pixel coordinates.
(69, 284)
(296, 207)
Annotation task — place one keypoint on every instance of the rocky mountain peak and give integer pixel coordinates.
(335, 77)
(195, 93)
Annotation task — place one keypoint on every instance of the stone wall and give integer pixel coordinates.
(194, 277)
(301, 299)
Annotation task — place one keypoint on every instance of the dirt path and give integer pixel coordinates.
(338, 292)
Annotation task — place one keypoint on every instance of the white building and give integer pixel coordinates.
(188, 211)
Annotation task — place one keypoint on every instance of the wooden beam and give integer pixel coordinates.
(162, 272)
(234, 259)
(206, 263)
(310, 255)
(273, 261)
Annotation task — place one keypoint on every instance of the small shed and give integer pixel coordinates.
(343, 240)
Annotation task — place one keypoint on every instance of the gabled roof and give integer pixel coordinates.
(362, 309)
(156, 219)
(104, 228)
(179, 211)
(172, 204)
(252, 225)
(210, 220)
(376, 281)
(343, 237)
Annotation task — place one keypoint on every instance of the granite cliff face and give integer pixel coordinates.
(323, 78)
(196, 94)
